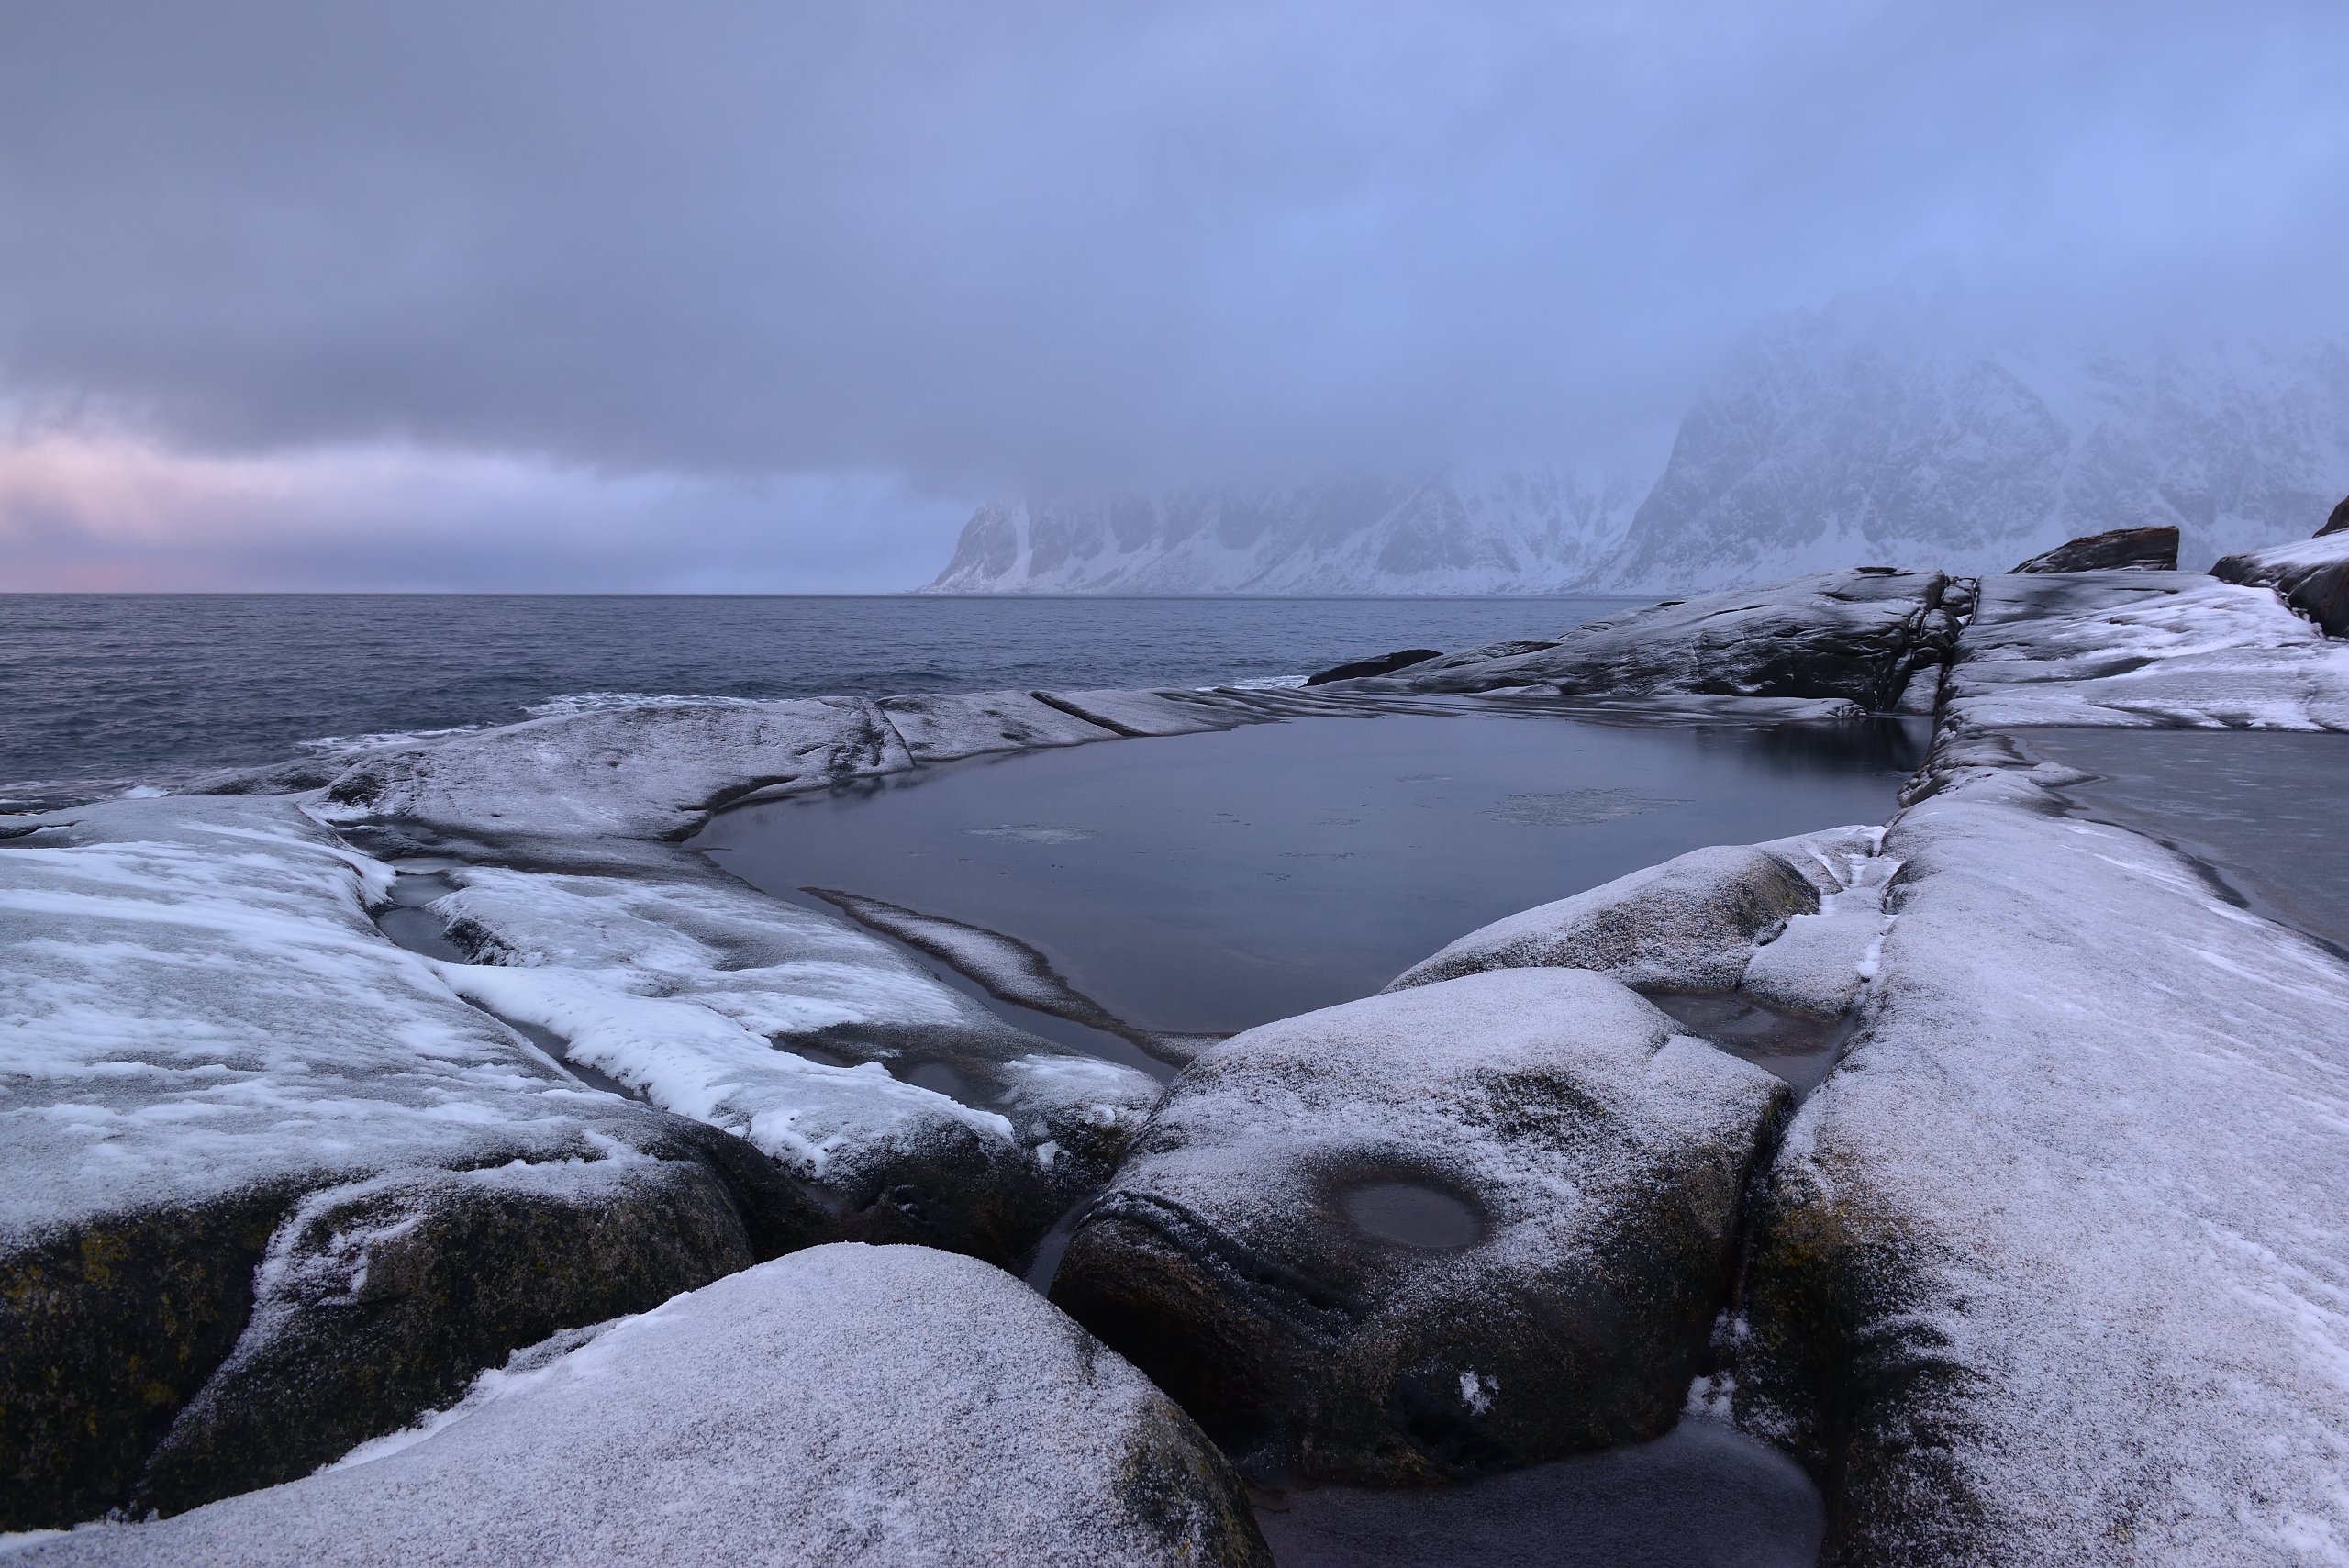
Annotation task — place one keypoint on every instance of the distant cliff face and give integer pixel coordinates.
(1823, 444)
(1819, 449)
(1512, 533)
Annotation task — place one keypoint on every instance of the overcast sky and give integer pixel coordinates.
(711, 295)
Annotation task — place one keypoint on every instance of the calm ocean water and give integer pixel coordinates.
(148, 687)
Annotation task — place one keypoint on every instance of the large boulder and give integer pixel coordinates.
(229, 1099)
(2122, 549)
(2051, 1270)
(846, 1405)
(1467, 1225)
(2338, 522)
(2311, 576)
(1861, 635)
(1693, 923)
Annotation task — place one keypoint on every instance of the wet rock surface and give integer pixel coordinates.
(1382, 664)
(2121, 550)
(1860, 635)
(1473, 1223)
(845, 1404)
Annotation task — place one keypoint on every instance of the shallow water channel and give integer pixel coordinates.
(1201, 884)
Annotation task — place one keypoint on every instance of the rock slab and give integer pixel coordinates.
(2121, 550)
(2054, 1267)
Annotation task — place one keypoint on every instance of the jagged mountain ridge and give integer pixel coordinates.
(1824, 442)
(1509, 532)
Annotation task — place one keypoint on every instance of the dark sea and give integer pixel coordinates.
(148, 688)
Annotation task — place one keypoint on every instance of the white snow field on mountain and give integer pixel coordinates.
(1845, 436)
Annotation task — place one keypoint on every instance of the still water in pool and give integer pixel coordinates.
(1204, 883)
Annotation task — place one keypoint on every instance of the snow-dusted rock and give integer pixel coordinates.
(2312, 576)
(2142, 647)
(655, 771)
(2055, 1268)
(915, 1112)
(379, 1299)
(1693, 923)
(1856, 635)
(938, 727)
(1816, 963)
(1155, 713)
(846, 1405)
(201, 1032)
(1465, 1225)
(2121, 550)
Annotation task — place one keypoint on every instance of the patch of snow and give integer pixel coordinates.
(700, 994)
(2145, 649)
(194, 1002)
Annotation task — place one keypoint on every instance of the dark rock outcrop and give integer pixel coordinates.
(846, 1405)
(2311, 576)
(1860, 635)
(1383, 665)
(2122, 549)
(2338, 522)
(378, 1301)
(1465, 1225)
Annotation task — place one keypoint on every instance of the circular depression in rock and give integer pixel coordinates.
(1411, 1214)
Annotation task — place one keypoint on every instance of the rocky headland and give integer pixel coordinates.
(420, 1153)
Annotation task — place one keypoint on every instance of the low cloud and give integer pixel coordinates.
(668, 262)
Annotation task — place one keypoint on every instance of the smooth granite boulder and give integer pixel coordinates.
(2053, 1271)
(1860, 635)
(2122, 549)
(1465, 1226)
(848, 1405)
(1693, 923)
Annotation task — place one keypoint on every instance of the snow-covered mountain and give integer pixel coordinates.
(1822, 446)
(1454, 533)
(1831, 439)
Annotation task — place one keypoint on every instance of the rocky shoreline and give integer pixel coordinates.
(2050, 1267)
